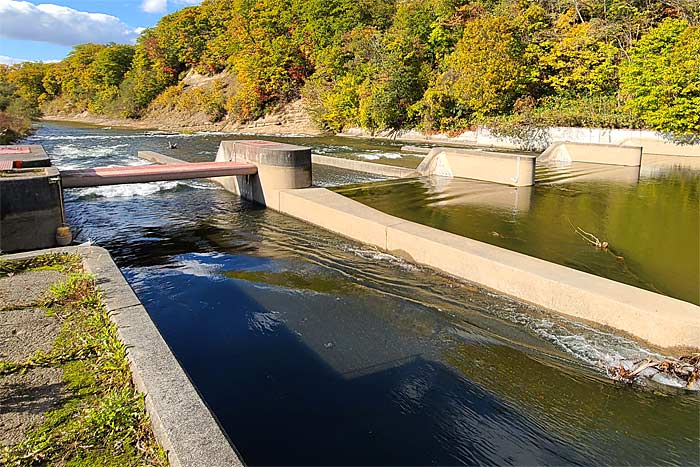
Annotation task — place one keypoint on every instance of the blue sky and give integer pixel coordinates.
(46, 31)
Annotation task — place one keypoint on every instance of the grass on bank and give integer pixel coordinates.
(103, 421)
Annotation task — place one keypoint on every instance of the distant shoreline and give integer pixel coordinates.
(273, 124)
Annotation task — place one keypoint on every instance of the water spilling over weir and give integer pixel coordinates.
(311, 349)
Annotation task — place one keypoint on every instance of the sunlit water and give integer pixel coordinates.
(651, 220)
(314, 350)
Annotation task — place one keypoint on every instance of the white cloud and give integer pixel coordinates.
(5, 60)
(60, 25)
(161, 6)
(154, 6)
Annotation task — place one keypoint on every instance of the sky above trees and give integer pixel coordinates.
(48, 31)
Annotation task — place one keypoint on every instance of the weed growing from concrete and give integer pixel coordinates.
(103, 422)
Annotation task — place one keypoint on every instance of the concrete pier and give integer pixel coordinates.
(31, 156)
(280, 167)
(31, 208)
(508, 169)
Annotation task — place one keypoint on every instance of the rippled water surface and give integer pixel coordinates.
(314, 350)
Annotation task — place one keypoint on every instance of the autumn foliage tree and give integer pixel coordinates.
(434, 65)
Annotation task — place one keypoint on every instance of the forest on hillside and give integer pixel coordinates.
(431, 65)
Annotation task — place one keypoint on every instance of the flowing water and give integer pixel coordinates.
(311, 349)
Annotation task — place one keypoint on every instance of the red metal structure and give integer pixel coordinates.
(153, 173)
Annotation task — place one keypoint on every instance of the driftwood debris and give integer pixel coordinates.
(684, 370)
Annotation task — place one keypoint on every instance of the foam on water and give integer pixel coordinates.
(376, 155)
(125, 191)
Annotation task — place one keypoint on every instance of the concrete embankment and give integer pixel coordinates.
(181, 421)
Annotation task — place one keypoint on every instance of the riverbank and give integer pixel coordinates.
(291, 120)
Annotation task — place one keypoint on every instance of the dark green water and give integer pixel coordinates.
(314, 350)
(650, 220)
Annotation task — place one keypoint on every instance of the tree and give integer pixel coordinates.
(661, 81)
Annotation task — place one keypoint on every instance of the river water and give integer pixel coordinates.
(314, 350)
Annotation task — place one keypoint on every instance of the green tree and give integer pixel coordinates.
(661, 81)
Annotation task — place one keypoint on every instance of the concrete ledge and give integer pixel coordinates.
(182, 423)
(508, 169)
(661, 321)
(362, 166)
(595, 153)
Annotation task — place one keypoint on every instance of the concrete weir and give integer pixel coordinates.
(662, 321)
(610, 154)
(504, 168)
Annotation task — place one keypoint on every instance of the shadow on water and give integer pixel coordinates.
(333, 386)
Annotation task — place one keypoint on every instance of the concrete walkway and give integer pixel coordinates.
(25, 328)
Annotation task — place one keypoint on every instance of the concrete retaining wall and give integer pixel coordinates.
(653, 142)
(661, 321)
(595, 153)
(362, 166)
(508, 169)
(182, 423)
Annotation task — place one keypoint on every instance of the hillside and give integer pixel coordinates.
(430, 65)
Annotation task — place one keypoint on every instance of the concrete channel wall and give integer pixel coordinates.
(182, 423)
(661, 321)
(362, 166)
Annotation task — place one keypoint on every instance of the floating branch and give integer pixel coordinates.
(589, 237)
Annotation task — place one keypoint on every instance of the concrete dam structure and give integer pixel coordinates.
(279, 176)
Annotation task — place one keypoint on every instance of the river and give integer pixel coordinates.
(314, 350)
